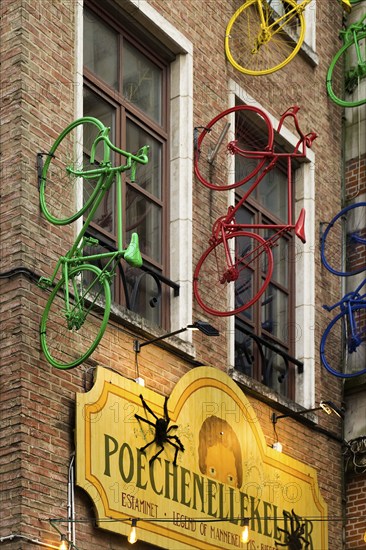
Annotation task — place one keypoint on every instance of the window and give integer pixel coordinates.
(309, 44)
(270, 344)
(269, 317)
(126, 86)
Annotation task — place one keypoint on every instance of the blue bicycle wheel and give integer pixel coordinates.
(343, 242)
(339, 335)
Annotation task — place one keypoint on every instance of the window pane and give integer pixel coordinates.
(144, 218)
(244, 288)
(96, 107)
(142, 82)
(100, 49)
(280, 260)
(274, 313)
(145, 294)
(272, 193)
(244, 216)
(244, 359)
(274, 371)
(148, 176)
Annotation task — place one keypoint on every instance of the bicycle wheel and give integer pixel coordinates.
(64, 197)
(222, 290)
(346, 59)
(250, 129)
(338, 331)
(344, 241)
(256, 51)
(69, 337)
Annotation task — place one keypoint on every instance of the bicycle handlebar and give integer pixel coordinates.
(140, 157)
(305, 139)
(348, 299)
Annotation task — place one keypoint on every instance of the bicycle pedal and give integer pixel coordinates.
(44, 283)
(132, 254)
(346, 5)
(91, 241)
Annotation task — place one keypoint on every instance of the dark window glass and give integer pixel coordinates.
(126, 87)
(265, 329)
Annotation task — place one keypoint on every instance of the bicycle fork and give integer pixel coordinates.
(241, 260)
(268, 31)
(353, 338)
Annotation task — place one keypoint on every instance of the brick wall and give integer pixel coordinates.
(37, 405)
(356, 509)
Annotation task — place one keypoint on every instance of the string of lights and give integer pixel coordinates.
(132, 537)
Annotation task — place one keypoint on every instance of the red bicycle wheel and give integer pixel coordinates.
(248, 128)
(233, 273)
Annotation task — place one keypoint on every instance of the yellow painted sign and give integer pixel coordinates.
(191, 472)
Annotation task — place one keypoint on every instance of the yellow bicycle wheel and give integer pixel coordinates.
(264, 35)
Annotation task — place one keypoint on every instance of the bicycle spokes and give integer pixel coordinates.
(68, 183)
(355, 335)
(263, 36)
(224, 277)
(343, 344)
(71, 330)
(344, 240)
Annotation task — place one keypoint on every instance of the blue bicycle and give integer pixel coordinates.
(349, 325)
(343, 241)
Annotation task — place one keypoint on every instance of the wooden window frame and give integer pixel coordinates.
(259, 213)
(124, 110)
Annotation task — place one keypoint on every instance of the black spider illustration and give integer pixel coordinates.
(294, 539)
(162, 431)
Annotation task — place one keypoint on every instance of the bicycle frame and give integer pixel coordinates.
(106, 173)
(227, 224)
(346, 304)
(349, 299)
(268, 31)
(350, 34)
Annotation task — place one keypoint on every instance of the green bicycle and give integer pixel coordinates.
(351, 57)
(78, 308)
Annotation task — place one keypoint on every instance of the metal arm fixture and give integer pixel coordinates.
(202, 326)
(327, 406)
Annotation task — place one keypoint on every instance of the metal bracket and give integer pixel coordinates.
(40, 166)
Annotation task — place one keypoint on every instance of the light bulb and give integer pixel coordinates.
(63, 544)
(364, 537)
(132, 536)
(245, 531)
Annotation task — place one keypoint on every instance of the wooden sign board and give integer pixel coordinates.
(225, 473)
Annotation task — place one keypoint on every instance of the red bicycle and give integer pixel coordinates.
(237, 255)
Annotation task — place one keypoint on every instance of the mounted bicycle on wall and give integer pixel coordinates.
(236, 253)
(350, 59)
(263, 36)
(78, 308)
(343, 249)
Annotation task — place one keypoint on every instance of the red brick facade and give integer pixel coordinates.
(39, 91)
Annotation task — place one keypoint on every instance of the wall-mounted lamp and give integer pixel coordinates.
(64, 545)
(202, 326)
(327, 406)
(132, 536)
(245, 531)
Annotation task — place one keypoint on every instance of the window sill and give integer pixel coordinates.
(309, 55)
(267, 395)
(142, 329)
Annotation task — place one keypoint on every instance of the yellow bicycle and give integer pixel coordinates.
(264, 35)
